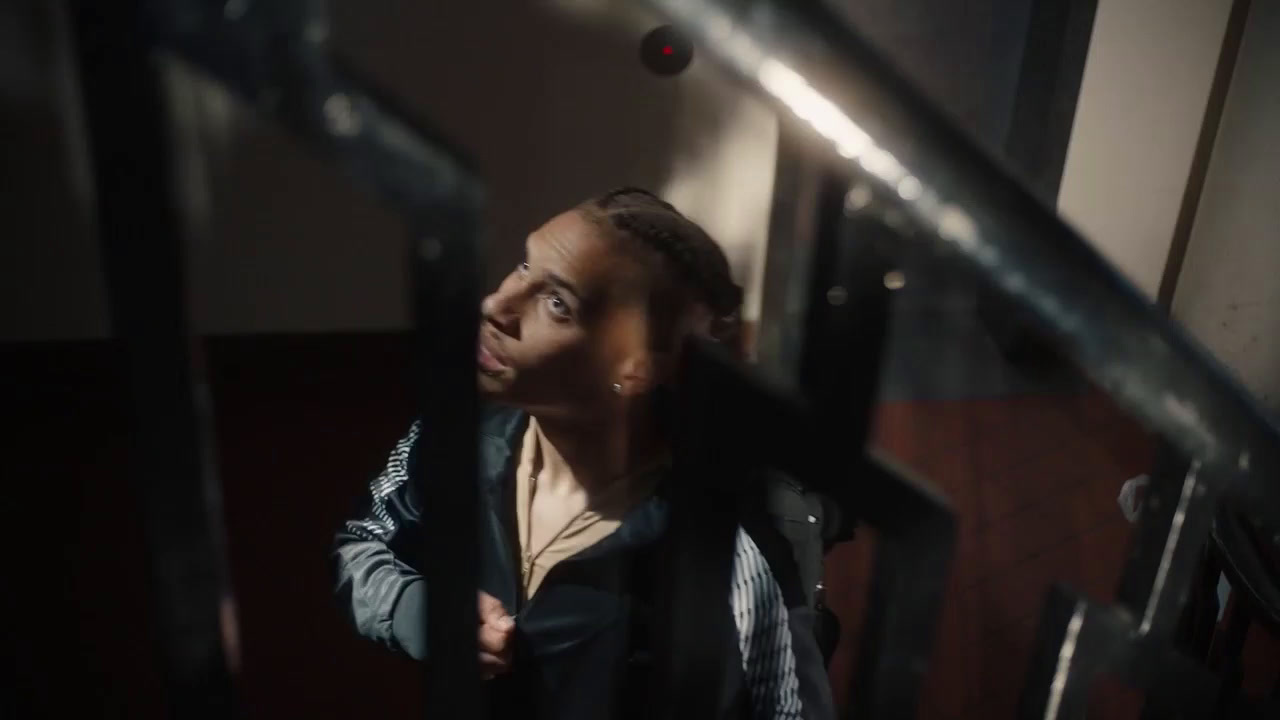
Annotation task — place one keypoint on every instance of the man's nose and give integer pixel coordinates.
(501, 310)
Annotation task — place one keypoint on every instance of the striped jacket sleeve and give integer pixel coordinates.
(374, 558)
(783, 668)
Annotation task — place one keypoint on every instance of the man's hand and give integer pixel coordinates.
(496, 630)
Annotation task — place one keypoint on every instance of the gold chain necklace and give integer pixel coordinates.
(530, 557)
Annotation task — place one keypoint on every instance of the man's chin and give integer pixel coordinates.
(489, 385)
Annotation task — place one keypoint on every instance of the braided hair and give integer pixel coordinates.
(699, 266)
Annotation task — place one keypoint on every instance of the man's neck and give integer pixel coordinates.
(591, 457)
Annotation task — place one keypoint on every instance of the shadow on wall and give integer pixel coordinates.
(553, 106)
(552, 110)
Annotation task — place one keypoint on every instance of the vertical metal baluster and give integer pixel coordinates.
(848, 314)
(1168, 544)
(855, 272)
(692, 663)
(446, 309)
(788, 258)
(915, 544)
(1053, 686)
(140, 229)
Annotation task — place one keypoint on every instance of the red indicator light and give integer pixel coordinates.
(665, 52)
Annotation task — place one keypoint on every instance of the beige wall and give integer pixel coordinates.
(1228, 294)
(726, 184)
(1142, 99)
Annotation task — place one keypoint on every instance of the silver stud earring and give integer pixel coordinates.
(617, 388)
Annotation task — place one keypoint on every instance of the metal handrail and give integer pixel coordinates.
(822, 74)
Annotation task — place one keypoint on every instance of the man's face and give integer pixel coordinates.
(567, 324)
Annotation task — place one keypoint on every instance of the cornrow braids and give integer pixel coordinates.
(641, 215)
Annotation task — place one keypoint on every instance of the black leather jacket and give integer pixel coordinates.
(573, 657)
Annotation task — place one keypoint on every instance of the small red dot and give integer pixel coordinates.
(666, 50)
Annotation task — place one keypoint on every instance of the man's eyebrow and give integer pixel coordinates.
(558, 281)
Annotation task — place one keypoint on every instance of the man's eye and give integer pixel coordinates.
(558, 306)
(523, 268)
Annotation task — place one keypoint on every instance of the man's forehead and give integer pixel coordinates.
(578, 246)
(566, 234)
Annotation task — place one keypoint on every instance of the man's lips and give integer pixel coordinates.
(487, 361)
